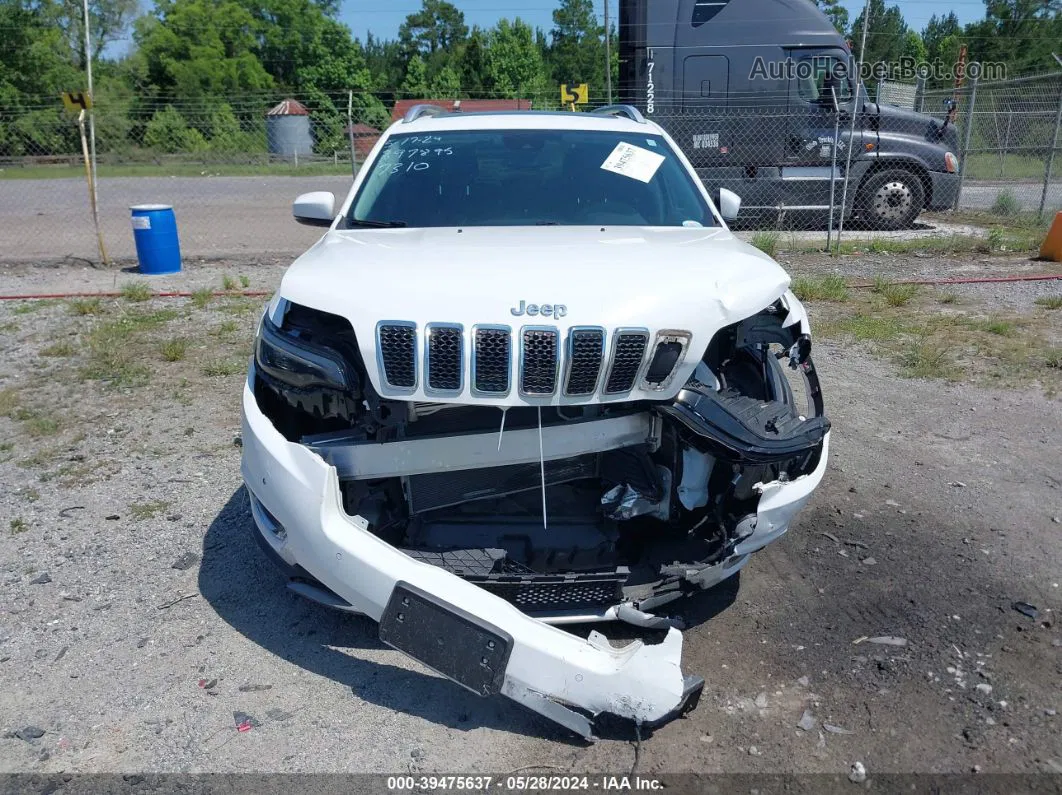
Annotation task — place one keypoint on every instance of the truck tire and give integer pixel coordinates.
(891, 199)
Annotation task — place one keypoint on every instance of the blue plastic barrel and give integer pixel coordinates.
(155, 232)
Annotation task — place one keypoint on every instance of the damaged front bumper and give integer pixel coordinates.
(455, 627)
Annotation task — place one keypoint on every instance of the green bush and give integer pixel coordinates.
(1006, 204)
(227, 134)
(169, 132)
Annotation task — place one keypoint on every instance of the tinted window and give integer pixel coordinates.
(704, 10)
(528, 177)
(818, 74)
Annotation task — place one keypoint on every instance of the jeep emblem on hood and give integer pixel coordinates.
(545, 310)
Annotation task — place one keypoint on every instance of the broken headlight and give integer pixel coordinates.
(284, 357)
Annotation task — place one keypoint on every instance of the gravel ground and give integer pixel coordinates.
(46, 219)
(140, 623)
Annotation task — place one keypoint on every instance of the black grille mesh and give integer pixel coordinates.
(546, 593)
(538, 373)
(491, 359)
(585, 365)
(626, 361)
(444, 358)
(398, 353)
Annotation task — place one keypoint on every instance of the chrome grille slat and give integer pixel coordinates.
(538, 360)
(578, 368)
(396, 346)
(443, 357)
(491, 360)
(628, 350)
(586, 347)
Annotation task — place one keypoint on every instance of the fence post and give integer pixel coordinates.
(920, 94)
(966, 141)
(1051, 157)
(350, 133)
(1006, 145)
(833, 165)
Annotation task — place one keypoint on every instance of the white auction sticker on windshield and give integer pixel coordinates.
(633, 161)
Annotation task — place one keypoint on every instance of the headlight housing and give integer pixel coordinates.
(951, 163)
(283, 356)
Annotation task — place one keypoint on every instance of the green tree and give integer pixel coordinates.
(415, 83)
(885, 33)
(514, 65)
(446, 84)
(577, 48)
(385, 63)
(108, 21)
(201, 49)
(1018, 33)
(472, 63)
(438, 25)
(836, 13)
(913, 47)
(937, 30)
(35, 65)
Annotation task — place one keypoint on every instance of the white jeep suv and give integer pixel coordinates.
(528, 377)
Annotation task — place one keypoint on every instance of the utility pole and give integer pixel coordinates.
(92, 132)
(608, 54)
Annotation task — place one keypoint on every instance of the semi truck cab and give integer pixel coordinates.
(748, 89)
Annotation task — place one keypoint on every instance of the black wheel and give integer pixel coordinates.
(891, 199)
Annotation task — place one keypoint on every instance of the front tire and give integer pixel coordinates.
(891, 199)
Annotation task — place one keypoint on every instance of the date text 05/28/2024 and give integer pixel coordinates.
(532, 783)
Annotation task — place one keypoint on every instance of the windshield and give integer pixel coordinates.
(528, 177)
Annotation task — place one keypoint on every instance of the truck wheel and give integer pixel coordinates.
(891, 199)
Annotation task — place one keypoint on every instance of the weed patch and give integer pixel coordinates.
(136, 292)
(894, 294)
(59, 349)
(219, 368)
(767, 242)
(820, 288)
(201, 298)
(174, 350)
(85, 306)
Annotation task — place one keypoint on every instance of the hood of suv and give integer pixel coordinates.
(694, 281)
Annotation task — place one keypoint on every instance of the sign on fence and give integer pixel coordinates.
(579, 94)
(77, 101)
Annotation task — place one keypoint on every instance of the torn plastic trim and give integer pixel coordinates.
(725, 418)
(641, 683)
(796, 313)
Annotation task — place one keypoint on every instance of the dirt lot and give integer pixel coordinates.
(139, 619)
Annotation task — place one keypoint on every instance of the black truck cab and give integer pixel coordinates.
(748, 88)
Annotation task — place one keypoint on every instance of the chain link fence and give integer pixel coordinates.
(231, 169)
(1011, 142)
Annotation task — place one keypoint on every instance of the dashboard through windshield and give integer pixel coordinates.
(525, 178)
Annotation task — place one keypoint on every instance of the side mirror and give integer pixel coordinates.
(728, 203)
(315, 209)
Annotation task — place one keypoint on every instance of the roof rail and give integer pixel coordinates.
(629, 111)
(423, 109)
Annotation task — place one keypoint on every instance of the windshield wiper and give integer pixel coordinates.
(376, 224)
(547, 223)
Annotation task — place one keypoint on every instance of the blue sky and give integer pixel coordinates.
(383, 17)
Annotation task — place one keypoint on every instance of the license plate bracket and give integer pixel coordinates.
(447, 639)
